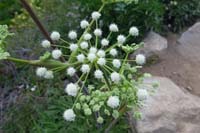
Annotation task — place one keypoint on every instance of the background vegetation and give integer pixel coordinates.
(33, 111)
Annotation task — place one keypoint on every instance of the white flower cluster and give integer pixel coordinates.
(46, 44)
(142, 94)
(55, 36)
(69, 115)
(56, 54)
(43, 72)
(140, 59)
(71, 89)
(113, 101)
(94, 55)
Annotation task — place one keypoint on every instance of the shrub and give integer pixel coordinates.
(180, 13)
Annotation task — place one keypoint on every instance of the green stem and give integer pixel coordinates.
(109, 35)
(80, 90)
(64, 41)
(60, 46)
(125, 59)
(111, 47)
(47, 63)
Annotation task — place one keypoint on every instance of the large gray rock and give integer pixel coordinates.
(170, 110)
(153, 43)
(190, 43)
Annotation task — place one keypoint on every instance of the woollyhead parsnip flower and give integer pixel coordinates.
(56, 54)
(69, 115)
(113, 101)
(84, 24)
(140, 59)
(113, 27)
(71, 89)
(105, 72)
(46, 44)
(55, 36)
(102, 80)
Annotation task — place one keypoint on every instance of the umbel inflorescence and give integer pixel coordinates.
(108, 83)
(111, 87)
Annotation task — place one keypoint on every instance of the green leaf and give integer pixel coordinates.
(46, 56)
(3, 55)
(4, 33)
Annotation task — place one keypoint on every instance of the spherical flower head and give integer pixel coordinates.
(49, 75)
(87, 36)
(113, 101)
(134, 31)
(96, 15)
(96, 108)
(84, 24)
(55, 36)
(98, 74)
(115, 77)
(84, 45)
(85, 68)
(113, 28)
(140, 59)
(80, 58)
(104, 42)
(72, 35)
(121, 39)
(41, 71)
(93, 50)
(56, 54)
(101, 61)
(101, 53)
(78, 106)
(73, 47)
(69, 115)
(116, 63)
(45, 44)
(71, 71)
(113, 52)
(115, 114)
(142, 94)
(71, 89)
(98, 32)
(91, 57)
(87, 111)
(100, 120)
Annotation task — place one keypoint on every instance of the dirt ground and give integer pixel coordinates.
(171, 64)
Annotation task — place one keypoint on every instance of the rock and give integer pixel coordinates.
(153, 43)
(169, 110)
(190, 43)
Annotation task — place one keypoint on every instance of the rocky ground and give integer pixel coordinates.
(180, 61)
(175, 107)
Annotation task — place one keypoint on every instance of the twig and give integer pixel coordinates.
(36, 20)
(39, 24)
(111, 125)
(131, 123)
(114, 121)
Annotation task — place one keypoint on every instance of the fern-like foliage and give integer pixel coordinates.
(4, 33)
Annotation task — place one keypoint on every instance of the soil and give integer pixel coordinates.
(171, 64)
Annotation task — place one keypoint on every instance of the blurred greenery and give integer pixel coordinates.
(7, 10)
